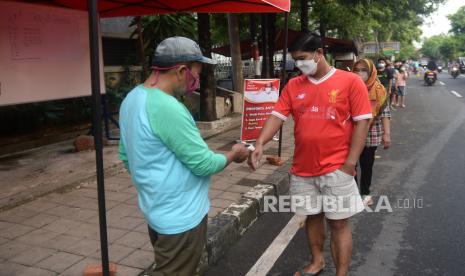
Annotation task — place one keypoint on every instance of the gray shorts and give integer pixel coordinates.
(335, 194)
(401, 91)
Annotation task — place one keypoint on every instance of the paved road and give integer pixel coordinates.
(422, 176)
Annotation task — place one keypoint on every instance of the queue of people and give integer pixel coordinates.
(380, 128)
(171, 165)
(394, 79)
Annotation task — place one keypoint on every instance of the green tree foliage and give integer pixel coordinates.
(457, 22)
(156, 28)
(440, 47)
(448, 47)
(219, 28)
(408, 52)
(430, 47)
(363, 20)
(368, 20)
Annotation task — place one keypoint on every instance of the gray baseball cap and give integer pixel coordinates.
(178, 49)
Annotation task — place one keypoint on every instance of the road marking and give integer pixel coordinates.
(384, 252)
(276, 248)
(442, 83)
(456, 94)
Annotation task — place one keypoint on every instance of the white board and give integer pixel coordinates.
(44, 53)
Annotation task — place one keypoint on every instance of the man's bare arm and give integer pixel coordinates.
(270, 128)
(356, 146)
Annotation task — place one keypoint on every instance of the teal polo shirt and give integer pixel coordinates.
(169, 162)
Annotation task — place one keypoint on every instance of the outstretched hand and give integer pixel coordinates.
(254, 157)
(240, 152)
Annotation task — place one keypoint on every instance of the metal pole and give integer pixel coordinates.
(283, 73)
(97, 127)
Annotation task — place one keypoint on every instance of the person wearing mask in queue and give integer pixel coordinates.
(385, 76)
(380, 129)
(331, 112)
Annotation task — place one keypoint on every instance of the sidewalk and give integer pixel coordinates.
(58, 233)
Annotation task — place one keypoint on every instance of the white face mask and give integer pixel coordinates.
(363, 75)
(307, 66)
(381, 66)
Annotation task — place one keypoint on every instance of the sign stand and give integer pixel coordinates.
(260, 96)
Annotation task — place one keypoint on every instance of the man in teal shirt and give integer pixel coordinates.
(169, 163)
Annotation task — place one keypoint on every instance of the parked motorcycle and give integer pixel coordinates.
(430, 78)
(454, 72)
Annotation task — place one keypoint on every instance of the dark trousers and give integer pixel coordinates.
(392, 95)
(366, 161)
(178, 254)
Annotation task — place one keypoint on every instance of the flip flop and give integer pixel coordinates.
(303, 273)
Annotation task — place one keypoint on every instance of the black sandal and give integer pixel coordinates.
(303, 273)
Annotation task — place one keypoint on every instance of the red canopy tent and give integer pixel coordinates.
(114, 8)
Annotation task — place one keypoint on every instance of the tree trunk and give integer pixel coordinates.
(304, 15)
(207, 77)
(253, 27)
(378, 48)
(265, 49)
(271, 41)
(233, 27)
(322, 27)
(140, 40)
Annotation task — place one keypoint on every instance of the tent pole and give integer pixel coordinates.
(283, 73)
(97, 127)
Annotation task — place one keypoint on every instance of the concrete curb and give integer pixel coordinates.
(227, 227)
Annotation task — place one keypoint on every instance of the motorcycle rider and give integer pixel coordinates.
(454, 69)
(432, 66)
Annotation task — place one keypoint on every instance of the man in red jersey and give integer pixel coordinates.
(332, 113)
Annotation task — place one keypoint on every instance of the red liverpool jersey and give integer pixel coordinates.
(323, 111)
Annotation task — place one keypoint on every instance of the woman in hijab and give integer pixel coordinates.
(380, 128)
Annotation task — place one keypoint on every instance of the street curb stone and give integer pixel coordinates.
(227, 227)
(242, 215)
